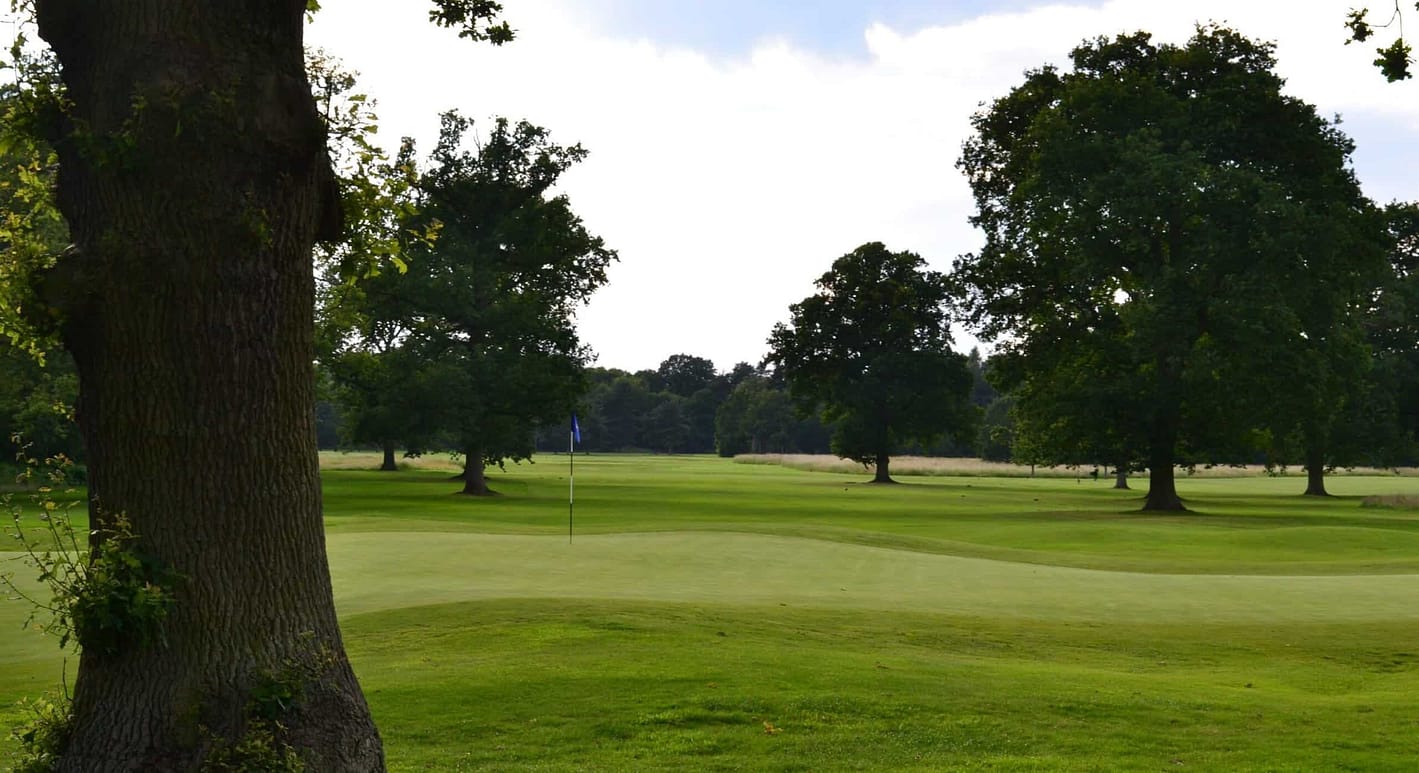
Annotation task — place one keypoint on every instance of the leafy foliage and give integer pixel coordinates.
(872, 350)
(32, 232)
(1389, 396)
(262, 748)
(1168, 239)
(685, 374)
(105, 596)
(490, 304)
(1396, 58)
(38, 388)
(376, 191)
(43, 736)
(757, 418)
(474, 19)
(361, 342)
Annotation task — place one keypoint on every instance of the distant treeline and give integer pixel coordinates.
(687, 406)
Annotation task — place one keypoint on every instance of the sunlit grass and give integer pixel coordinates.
(562, 685)
(954, 466)
(707, 615)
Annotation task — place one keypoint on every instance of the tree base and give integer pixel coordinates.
(483, 493)
(1315, 481)
(1164, 504)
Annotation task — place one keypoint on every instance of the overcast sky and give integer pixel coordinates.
(739, 146)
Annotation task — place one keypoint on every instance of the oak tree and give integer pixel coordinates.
(1164, 217)
(872, 350)
(491, 302)
(194, 178)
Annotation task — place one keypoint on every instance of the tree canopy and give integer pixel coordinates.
(362, 340)
(872, 350)
(1165, 232)
(491, 301)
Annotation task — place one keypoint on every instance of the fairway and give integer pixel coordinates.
(708, 615)
(762, 570)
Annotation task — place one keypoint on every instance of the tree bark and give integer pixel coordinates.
(195, 182)
(1163, 438)
(883, 469)
(1121, 478)
(389, 465)
(1315, 471)
(1162, 483)
(475, 484)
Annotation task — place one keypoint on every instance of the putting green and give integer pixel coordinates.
(380, 571)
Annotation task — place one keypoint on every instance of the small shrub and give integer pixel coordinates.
(105, 599)
(260, 750)
(121, 597)
(43, 737)
(277, 695)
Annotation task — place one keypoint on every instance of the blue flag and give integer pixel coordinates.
(576, 429)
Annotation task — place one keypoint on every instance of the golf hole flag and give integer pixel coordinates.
(571, 473)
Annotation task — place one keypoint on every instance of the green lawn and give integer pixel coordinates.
(949, 623)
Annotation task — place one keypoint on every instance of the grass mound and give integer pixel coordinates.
(1406, 501)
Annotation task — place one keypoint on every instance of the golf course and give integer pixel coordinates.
(708, 615)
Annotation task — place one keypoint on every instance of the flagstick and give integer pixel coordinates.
(571, 482)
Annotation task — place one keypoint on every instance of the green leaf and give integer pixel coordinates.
(1360, 30)
(1394, 60)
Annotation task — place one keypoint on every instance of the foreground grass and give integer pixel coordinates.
(554, 685)
(714, 616)
(537, 685)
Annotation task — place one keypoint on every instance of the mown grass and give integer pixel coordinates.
(557, 685)
(1251, 525)
(962, 467)
(948, 623)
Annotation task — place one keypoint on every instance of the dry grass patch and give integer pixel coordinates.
(371, 460)
(1409, 501)
(912, 465)
(966, 467)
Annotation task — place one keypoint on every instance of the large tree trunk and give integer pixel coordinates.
(1121, 478)
(195, 183)
(475, 484)
(1162, 488)
(1162, 485)
(883, 469)
(1315, 471)
(389, 465)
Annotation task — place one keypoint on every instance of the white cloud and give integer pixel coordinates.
(728, 186)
